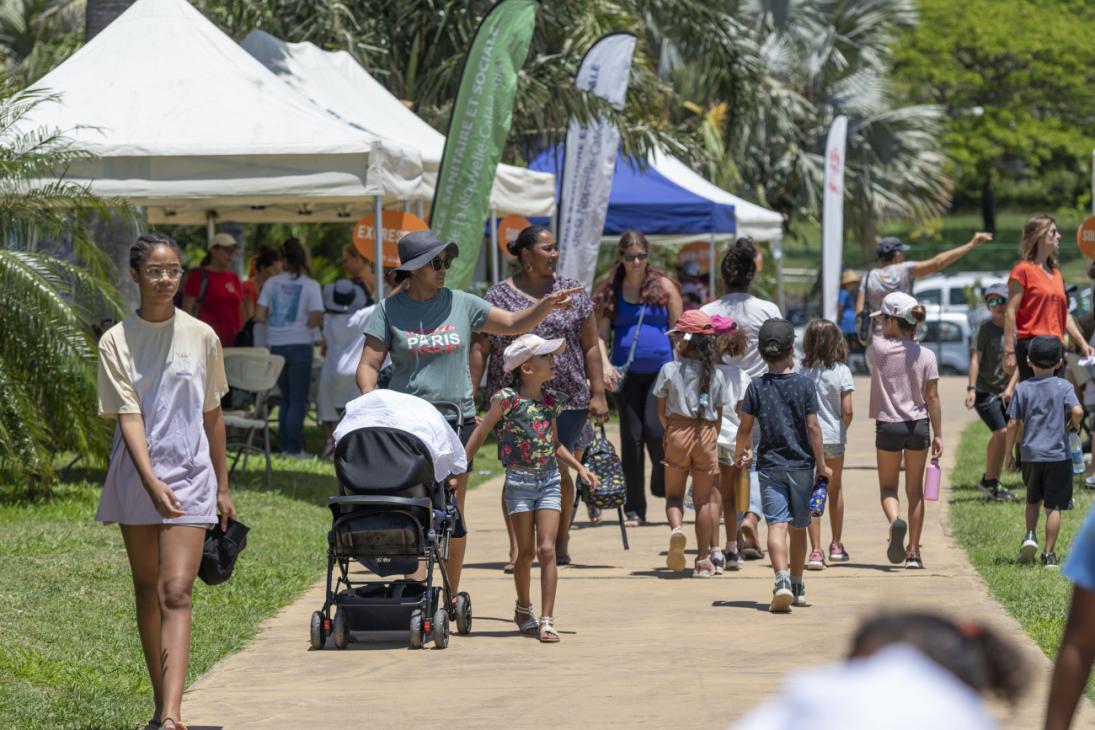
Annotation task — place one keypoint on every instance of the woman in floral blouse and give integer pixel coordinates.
(578, 380)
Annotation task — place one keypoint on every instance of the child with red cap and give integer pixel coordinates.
(691, 395)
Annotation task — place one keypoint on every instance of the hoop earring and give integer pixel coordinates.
(528, 268)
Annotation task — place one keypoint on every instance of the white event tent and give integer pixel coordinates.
(338, 84)
(185, 123)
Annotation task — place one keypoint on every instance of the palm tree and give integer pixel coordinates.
(54, 282)
(36, 35)
(819, 60)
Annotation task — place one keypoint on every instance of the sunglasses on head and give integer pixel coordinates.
(439, 263)
(636, 256)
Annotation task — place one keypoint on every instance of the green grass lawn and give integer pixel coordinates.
(991, 534)
(69, 654)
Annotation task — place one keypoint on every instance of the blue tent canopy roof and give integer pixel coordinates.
(644, 199)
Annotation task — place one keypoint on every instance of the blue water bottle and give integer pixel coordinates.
(818, 496)
(1077, 450)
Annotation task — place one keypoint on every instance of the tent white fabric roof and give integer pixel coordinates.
(751, 219)
(183, 121)
(337, 83)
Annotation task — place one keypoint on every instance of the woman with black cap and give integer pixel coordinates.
(579, 377)
(894, 273)
(427, 329)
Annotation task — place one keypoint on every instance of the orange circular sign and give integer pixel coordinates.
(397, 224)
(508, 228)
(698, 251)
(1085, 237)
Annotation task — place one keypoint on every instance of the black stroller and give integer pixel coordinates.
(389, 513)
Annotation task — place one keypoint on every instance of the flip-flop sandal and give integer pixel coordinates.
(896, 551)
(633, 520)
(595, 516)
(508, 568)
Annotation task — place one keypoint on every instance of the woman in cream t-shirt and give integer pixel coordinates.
(161, 374)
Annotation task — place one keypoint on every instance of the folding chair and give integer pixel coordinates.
(255, 371)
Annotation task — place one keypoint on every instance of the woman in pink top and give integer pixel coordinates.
(904, 398)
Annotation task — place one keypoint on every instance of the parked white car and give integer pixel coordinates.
(958, 293)
(949, 336)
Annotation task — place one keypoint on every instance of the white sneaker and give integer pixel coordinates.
(1029, 549)
(674, 559)
(1089, 482)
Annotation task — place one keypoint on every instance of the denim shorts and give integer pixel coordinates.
(833, 451)
(786, 495)
(528, 490)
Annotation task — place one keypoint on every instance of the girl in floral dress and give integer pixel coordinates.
(529, 447)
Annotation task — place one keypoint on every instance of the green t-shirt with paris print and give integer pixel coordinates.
(428, 343)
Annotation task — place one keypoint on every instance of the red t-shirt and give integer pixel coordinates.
(220, 307)
(1044, 308)
(250, 291)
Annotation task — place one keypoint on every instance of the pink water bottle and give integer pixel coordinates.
(932, 475)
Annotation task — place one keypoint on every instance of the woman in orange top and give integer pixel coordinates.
(1037, 303)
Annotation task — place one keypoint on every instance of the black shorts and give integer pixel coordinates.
(464, 432)
(1049, 482)
(1022, 349)
(902, 435)
(990, 406)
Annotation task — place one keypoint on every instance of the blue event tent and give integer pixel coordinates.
(670, 203)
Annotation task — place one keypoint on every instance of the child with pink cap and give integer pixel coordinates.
(529, 447)
(691, 395)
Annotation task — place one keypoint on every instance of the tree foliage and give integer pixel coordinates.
(53, 279)
(1017, 82)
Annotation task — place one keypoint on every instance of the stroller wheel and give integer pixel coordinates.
(441, 628)
(315, 630)
(416, 629)
(463, 613)
(340, 632)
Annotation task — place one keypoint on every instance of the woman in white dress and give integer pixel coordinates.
(161, 374)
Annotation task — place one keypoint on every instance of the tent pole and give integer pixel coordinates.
(711, 268)
(406, 205)
(420, 205)
(777, 254)
(378, 230)
(210, 227)
(493, 245)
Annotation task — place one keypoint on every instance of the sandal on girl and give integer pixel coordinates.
(704, 568)
(175, 724)
(508, 568)
(525, 619)
(548, 634)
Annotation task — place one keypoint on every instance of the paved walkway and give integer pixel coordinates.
(640, 647)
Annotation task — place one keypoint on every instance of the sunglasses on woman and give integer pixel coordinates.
(439, 263)
(995, 302)
(629, 257)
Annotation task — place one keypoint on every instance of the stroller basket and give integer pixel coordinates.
(375, 534)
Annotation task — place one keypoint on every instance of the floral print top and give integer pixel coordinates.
(525, 438)
(570, 369)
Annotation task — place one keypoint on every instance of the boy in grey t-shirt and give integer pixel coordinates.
(1039, 409)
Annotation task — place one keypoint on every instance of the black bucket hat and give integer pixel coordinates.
(418, 248)
(222, 548)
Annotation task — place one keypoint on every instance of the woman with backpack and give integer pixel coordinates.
(893, 273)
(635, 303)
